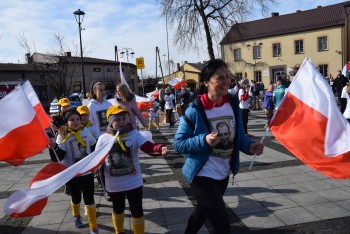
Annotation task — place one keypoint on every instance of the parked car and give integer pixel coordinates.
(74, 102)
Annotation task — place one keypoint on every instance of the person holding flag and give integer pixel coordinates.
(122, 167)
(73, 143)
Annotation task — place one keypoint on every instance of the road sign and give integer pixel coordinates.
(140, 64)
(180, 74)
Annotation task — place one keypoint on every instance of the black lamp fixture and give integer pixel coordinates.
(79, 17)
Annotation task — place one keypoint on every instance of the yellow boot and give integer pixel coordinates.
(76, 215)
(91, 214)
(149, 125)
(118, 222)
(157, 123)
(139, 225)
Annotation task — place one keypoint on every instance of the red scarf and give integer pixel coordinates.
(208, 104)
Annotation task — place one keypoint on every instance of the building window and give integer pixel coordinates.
(256, 52)
(108, 69)
(257, 76)
(96, 69)
(41, 92)
(122, 69)
(323, 68)
(238, 76)
(276, 49)
(299, 47)
(237, 54)
(322, 44)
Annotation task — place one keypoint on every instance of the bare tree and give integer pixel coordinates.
(55, 68)
(215, 17)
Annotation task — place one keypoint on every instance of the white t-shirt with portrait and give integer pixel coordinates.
(222, 122)
(344, 94)
(122, 168)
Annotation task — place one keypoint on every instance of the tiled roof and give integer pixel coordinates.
(198, 66)
(314, 19)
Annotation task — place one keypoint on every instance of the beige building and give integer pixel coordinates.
(263, 49)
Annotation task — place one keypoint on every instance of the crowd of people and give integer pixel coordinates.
(210, 135)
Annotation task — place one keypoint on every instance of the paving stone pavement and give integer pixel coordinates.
(278, 195)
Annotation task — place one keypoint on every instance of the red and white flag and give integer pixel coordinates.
(31, 202)
(34, 100)
(177, 83)
(21, 132)
(122, 78)
(309, 124)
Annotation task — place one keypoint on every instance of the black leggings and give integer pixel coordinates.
(169, 113)
(135, 202)
(82, 185)
(245, 119)
(210, 204)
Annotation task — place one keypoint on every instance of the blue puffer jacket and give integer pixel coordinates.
(190, 138)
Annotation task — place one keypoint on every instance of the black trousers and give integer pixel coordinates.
(135, 202)
(245, 119)
(169, 113)
(209, 195)
(82, 185)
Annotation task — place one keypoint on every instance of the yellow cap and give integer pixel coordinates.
(64, 102)
(83, 110)
(114, 110)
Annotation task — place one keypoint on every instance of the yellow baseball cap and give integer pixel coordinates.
(114, 110)
(64, 102)
(83, 110)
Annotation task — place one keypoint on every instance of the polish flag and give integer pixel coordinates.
(21, 132)
(177, 83)
(143, 103)
(122, 78)
(31, 202)
(34, 100)
(309, 124)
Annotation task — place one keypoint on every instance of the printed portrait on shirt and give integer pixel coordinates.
(120, 162)
(225, 128)
(78, 151)
(102, 120)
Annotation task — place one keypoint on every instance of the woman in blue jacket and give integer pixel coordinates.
(210, 136)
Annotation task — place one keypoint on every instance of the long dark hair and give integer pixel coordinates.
(207, 72)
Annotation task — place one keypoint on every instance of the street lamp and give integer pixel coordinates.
(256, 54)
(127, 53)
(79, 17)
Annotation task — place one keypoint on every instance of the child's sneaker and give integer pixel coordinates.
(77, 222)
(94, 231)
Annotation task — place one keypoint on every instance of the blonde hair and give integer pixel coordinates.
(124, 91)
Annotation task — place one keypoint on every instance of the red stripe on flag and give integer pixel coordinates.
(48, 171)
(33, 210)
(302, 129)
(44, 118)
(23, 142)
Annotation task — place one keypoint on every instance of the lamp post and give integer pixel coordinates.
(127, 53)
(79, 17)
(256, 54)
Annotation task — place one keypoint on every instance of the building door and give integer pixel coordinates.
(277, 72)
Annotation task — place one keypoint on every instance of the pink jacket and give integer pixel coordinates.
(134, 112)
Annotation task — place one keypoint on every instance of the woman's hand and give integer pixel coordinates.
(164, 150)
(212, 139)
(256, 148)
(52, 144)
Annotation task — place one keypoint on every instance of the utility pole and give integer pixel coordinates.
(160, 63)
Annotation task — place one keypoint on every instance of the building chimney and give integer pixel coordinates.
(298, 11)
(68, 54)
(178, 67)
(274, 14)
(27, 58)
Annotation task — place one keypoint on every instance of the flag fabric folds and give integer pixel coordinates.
(122, 78)
(21, 132)
(177, 83)
(31, 202)
(309, 124)
(143, 103)
(34, 100)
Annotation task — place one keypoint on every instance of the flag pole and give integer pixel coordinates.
(58, 160)
(261, 141)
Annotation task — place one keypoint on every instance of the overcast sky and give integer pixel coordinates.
(131, 24)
